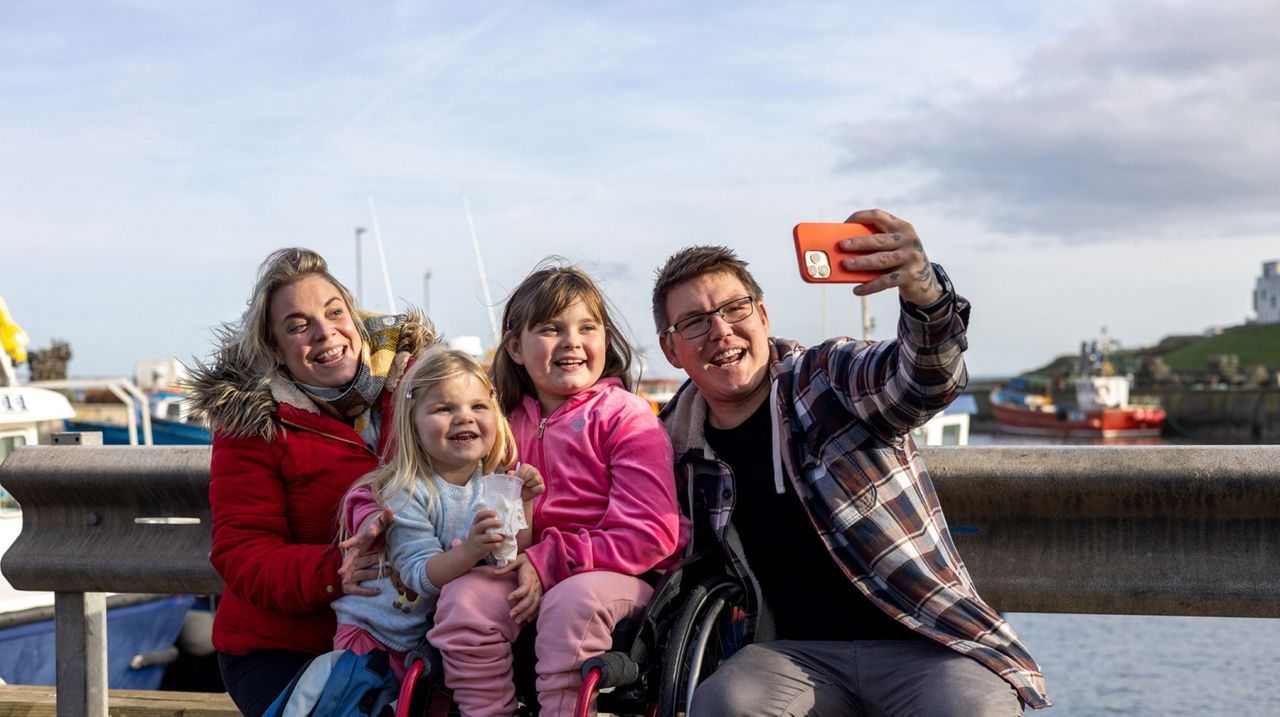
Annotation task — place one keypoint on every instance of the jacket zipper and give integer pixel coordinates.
(326, 434)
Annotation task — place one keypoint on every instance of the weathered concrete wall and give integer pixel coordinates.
(1160, 530)
(1235, 415)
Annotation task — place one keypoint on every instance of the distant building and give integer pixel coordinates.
(1266, 298)
(469, 344)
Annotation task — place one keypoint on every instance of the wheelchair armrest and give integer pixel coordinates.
(617, 669)
(687, 571)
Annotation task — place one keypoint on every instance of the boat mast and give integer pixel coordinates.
(484, 280)
(382, 255)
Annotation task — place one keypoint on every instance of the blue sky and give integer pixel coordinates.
(1074, 165)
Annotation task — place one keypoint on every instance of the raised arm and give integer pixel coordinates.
(897, 385)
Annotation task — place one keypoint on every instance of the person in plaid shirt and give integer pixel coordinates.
(797, 462)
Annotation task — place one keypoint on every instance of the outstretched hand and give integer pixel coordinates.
(896, 250)
(527, 597)
(359, 557)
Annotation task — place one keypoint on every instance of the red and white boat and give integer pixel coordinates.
(1101, 410)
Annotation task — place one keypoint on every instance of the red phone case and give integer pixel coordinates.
(818, 257)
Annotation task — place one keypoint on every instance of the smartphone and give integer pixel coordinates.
(820, 259)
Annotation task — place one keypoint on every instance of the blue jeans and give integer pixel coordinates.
(256, 679)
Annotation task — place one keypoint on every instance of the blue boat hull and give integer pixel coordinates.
(163, 433)
(27, 655)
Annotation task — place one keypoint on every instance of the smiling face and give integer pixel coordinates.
(729, 364)
(314, 332)
(456, 423)
(563, 355)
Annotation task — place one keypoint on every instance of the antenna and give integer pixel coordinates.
(484, 280)
(382, 255)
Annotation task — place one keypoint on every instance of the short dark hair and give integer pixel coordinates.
(691, 263)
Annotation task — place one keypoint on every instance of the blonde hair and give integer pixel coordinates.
(542, 295)
(251, 337)
(408, 459)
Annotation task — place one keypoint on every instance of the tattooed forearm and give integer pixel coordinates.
(928, 278)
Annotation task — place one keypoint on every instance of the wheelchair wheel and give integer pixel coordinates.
(700, 637)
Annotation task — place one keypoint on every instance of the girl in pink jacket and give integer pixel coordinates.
(608, 514)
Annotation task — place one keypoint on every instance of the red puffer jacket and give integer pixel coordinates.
(279, 470)
(275, 508)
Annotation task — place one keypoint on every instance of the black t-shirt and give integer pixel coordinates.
(810, 596)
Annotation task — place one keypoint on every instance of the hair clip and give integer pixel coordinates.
(408, 392)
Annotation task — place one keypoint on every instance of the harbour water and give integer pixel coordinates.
(1148, 665)
(1151, 665)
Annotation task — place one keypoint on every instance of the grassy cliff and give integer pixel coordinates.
(1253, 345)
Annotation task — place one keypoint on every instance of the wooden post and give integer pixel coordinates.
(80, 625)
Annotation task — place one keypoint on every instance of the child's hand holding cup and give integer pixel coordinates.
(500, 492)
(531, 481)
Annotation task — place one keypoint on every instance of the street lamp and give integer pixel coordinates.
(426, 293)
(359, 273)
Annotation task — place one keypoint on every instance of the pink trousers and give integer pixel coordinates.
(350, 637)
(474, 631)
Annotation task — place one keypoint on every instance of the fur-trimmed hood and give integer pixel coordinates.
(238, 400)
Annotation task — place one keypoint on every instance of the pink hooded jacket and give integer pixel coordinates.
(610, 500)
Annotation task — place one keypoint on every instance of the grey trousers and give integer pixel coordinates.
(869, 678)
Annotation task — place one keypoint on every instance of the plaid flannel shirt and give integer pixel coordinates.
(844, 410)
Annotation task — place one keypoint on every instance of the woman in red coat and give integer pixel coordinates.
(296, 395)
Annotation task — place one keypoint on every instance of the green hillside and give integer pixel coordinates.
(1255, 345)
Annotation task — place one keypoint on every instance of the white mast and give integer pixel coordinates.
(484, 280)
(382, 256)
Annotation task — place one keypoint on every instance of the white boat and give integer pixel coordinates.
(950, 427)
(25, 414)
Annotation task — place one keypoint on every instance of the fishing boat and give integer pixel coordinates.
(1101, 410)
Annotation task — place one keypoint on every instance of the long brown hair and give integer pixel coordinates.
(542, 295)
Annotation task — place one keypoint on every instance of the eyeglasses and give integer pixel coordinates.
(692, 327)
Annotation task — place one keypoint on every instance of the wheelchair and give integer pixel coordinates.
(694, 621)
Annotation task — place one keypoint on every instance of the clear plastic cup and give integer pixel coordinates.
(499, 488)
(501, 493)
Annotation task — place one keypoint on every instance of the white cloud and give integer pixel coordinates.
(1143, 121)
